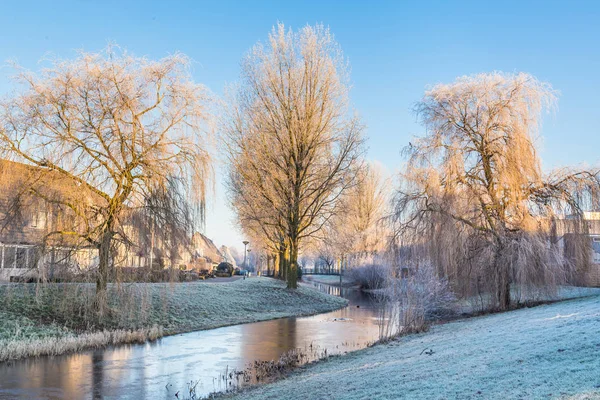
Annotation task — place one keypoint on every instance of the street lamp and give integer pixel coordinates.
(341, 269)
(245, 252)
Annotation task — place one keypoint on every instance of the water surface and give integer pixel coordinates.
(160, 369)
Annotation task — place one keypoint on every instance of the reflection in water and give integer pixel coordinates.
(280, 334)
(97, 373)
(160, 369)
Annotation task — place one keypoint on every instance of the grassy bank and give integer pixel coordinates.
(550, 351)
(54, 318)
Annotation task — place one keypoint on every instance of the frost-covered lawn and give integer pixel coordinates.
(29, 322)
(549, 351)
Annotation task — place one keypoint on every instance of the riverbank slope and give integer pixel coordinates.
(50, 319)
(549, 351)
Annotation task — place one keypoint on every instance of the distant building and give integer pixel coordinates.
(30, 214)
(576, 235)
(228, 257)
(33, 218)
(205, 254)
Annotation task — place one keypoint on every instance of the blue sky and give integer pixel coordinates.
(395, 49)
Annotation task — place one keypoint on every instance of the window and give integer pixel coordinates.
(596, 244)
(21, 254)
(38, 220)
(9, 257)
(596, 249)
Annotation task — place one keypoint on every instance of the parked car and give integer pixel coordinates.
(205, 274)
(188, 276)
(224, 269)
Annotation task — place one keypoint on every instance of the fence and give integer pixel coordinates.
(319, 271)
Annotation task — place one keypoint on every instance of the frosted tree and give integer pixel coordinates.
(118, 125)
(474, 196)
(362, 212)
(358, 228)
(290, 138)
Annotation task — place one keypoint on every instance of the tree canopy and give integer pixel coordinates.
(293, 147)
(474, 187)
(123, 126)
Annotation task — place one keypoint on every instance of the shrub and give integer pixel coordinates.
(371, 276)
(414, 299)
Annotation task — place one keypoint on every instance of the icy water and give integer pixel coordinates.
(162, 369)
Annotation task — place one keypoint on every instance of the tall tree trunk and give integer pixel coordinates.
(292, 276)
(506, 297)
(104, 264)
(283, 261)
(502, 279)
(268, 264)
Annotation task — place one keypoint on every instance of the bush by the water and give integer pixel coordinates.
(412, 299)
(370, 276)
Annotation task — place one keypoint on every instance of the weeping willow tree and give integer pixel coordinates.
(164, 224)
(117, 125)
(474, 199)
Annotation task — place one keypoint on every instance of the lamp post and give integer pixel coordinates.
(341, 268)
(245, 252)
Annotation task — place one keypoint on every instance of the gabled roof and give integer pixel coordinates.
(19, 177)
(208, 248)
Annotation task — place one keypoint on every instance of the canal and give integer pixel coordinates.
(164, 368)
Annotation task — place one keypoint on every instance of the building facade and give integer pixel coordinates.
(580, 241)
(39, 234)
